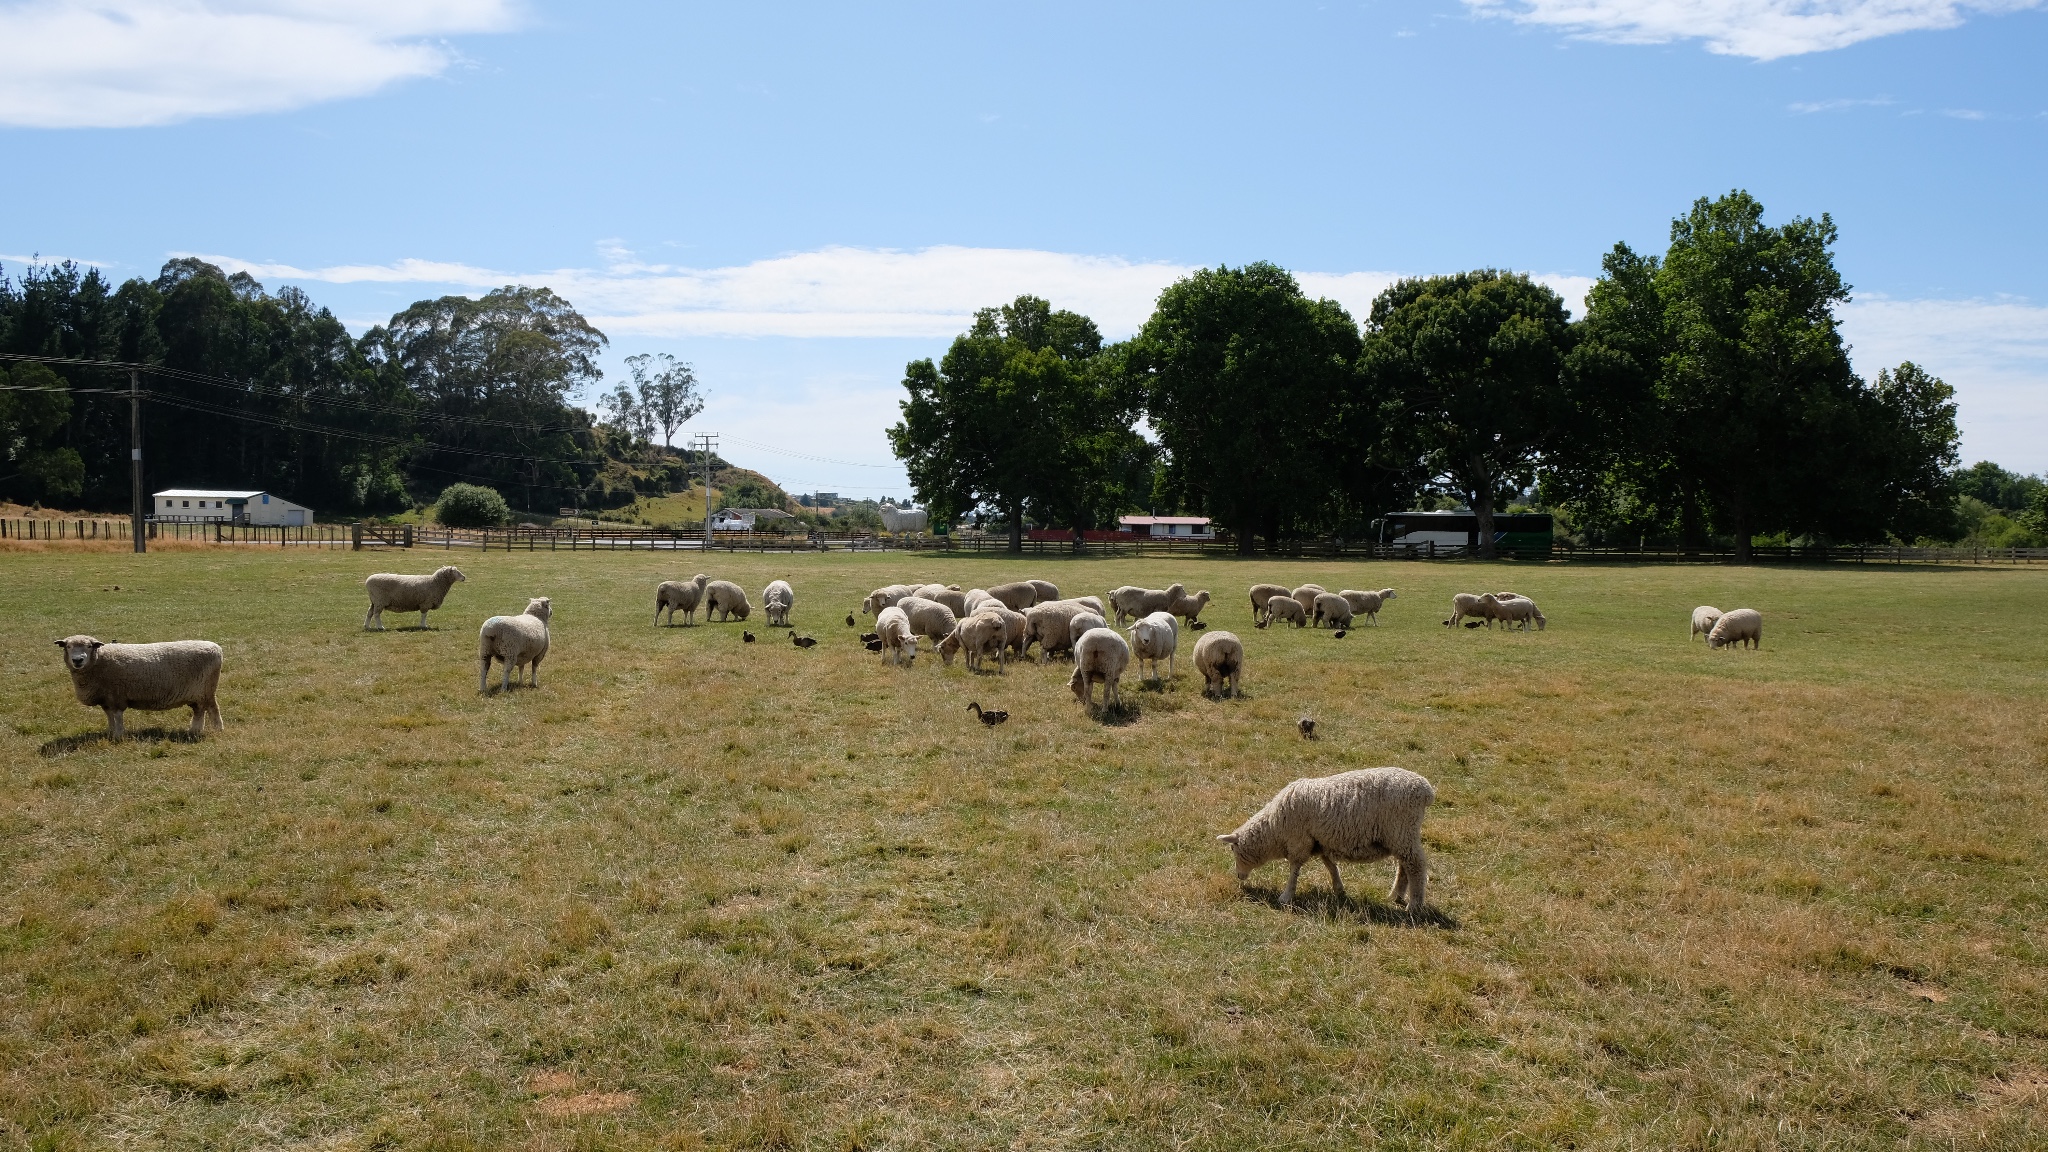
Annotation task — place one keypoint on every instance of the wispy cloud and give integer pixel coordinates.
(1758, 29)
(1809, 108)
(134, 63)
(1994, 351)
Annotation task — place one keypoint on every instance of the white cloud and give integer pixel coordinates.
(1995, 353)
(133, 63)
(1759, 29)
(1809, 107)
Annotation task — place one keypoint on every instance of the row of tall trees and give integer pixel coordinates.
(1706, 393)
(268, 390)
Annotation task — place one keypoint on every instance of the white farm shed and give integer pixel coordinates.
(236, 507)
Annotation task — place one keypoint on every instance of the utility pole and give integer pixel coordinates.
(135, 458)
(708, 440)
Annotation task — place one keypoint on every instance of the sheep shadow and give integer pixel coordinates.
(1324, 904)
(64, 745)
(1119, 716)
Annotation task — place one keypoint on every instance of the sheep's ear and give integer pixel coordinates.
(99, 644)
(1228, 838)
(60, 643)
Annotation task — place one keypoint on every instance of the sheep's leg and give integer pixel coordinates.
(1293, 874)
(115, 731)
(199, 719)
(219, 725)
(1415, 872)
(483, 678)
(533, 670)
(423, 619)
(1336, 880)
(506, 683)
(373, 619)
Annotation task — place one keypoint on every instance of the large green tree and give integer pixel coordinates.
(1248, 383)
(1474, 365)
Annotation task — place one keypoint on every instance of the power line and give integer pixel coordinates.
(805, 455)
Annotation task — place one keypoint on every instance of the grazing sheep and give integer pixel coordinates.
(683, 594)
(980, 637)
(1046, 589)
(1306, 597)
(778, 598)
(1219, 657)
(1466, 604)
(1017, 595)
(1355, 817)
(1155, 636)
(952, 598)
(974, 598)
(1367, 604)
(898, 644)
(882, 598)
(725, 600)
(1099, 655)
(1050, 626)
(518, 641)
(1091, 603)
(1013, 625)
(1190, 606)
(1703, 618)
(1132, 602)
(1285, 608)
(1736, 627)
(1333, 610)
(421, 594)
(928, 618)
(1519, 612)
(1261, 593)
(115, 677)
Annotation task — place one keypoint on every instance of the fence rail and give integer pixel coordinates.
(49, 528)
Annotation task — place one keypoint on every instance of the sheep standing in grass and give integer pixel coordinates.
(1189, 607)
(928, 618)
(1131, 602)
(684, 595)
(725, 600)
(1155, 636)
(1219, 657)
(1285, 608)
(153, 677)
(980, 637)
(1519, 613)
(1740, 626)
(1012, 622)
(1480, 607)
(974, 598)
(898, 642)
(1703, 620)
(1050, 626)
(421, 594)
(1261, 594)
(1306, 597)
(777, 599)
(517, 641)
(1355, 817)
(1333, 610)
(952, 598)
(1367, 604)
(1046, 589)
(887, 597)
(1017, 595)
(1100, 655)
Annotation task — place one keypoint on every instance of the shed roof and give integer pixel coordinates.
(1162, 519)
(210, 493)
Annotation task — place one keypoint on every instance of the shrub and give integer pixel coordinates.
(471, 506)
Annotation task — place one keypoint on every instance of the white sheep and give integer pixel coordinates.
(1132, 602)
(1739, 626)
(1046, 589)
(979, 636)
(777, 599)
(928, 618)
(1219, 657)
(1285, 608)
(421, 594)
(887, 597)
(517, 641)
(1306, 597)
(1355, 817)
(1333, 610)
(725, 600)
(1017, 595)
(115, 677)
(1099, 655)
(952, 598)
(684, 595)
(1155, 636)
(899, 643)
(1703, 618)
(974, 598)
(1519, 612)
(1479, 607)
(1013, 625)
(1261, 594)
(1367, 604)
(1091, 603)
(1050, 626)
(1190, 606)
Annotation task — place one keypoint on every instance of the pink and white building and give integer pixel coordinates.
(1178, 527)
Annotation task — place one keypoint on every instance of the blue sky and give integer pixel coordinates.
(799, 199)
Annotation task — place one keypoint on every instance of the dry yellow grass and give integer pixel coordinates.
(693, 893)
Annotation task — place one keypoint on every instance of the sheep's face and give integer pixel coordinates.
(79, 651)
(451, 574)
(910, 650)
(948, 647)
(741, 611)
(1242, 864)
(542, 607)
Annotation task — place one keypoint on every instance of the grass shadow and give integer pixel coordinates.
(67, 744)
(1323, 903)
(1121, 716)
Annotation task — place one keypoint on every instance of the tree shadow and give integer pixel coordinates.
(1324, 904)
(68, 744)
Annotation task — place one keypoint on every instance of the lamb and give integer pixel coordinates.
(928, 618)
(1285, 608)
(1357, 817)
(1046, 589)
(1367, 604)
(683, 594)
(519, 641)
(952, 598)
(1131, 602)
(887, 597)
(980, 637)
(1332, 609)
(1703, 618)
(728, 598)
(1190, 606)
(1261, 593)
(1155, 636)
(1518, 612)
(421, 594)
(1736, 627)
(898, 642)
(115, 677)
(1219, 657)
(778, 598)
(1100, 654)
(1017, 595)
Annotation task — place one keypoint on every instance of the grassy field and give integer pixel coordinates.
(693, 893)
